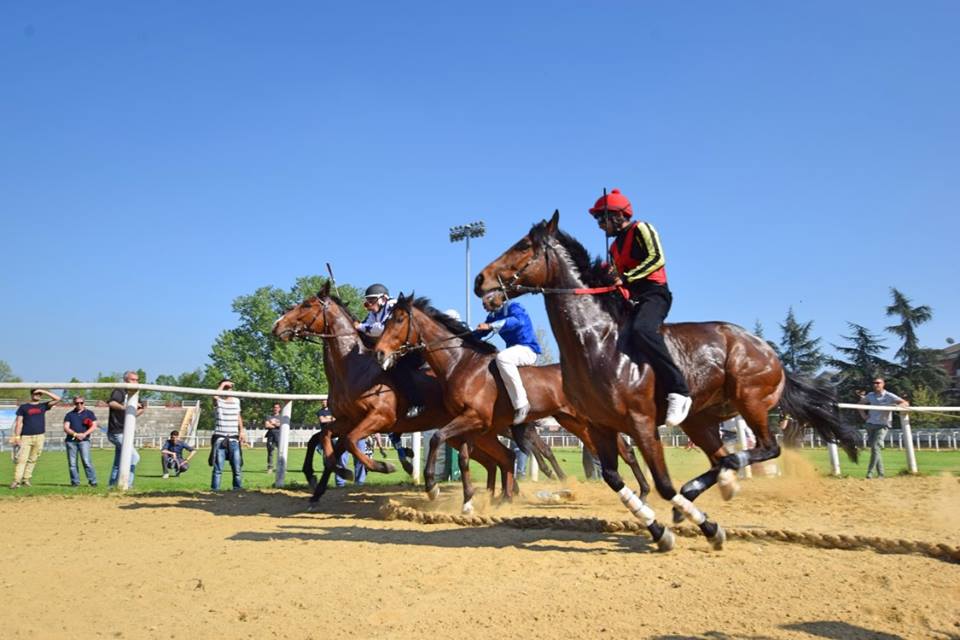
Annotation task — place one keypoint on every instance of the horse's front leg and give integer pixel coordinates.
(459, 427)
(606, 445)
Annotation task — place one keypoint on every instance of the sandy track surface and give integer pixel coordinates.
(257, 565)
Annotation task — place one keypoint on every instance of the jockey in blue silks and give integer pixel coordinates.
(509, 319)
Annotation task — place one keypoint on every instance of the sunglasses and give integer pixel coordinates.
(78, 402)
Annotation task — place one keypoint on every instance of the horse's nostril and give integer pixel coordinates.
(478, 284)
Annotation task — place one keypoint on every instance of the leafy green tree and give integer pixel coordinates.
(255, 360)
(798, 351)
(7, 375)
(862, 362)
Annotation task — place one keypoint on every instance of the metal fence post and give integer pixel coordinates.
(834, 454)
(284, 443)
(908, 440)
(416, 446)
(126, 449)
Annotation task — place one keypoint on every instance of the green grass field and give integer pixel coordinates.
(51, 475)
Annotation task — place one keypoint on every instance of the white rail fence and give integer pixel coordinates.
(906, 440)
(130, 417)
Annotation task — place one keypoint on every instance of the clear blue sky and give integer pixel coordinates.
(160, 159)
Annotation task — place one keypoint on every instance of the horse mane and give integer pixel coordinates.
(455, 326)
(594, 272)
(344, 306)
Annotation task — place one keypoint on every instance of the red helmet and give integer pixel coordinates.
(613, 201)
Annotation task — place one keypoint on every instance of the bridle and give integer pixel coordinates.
(507, 287)
(408, 347)
(302, 329)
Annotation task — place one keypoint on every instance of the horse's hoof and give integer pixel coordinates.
(677, 516)
(433, 492)
(343, 472)
(666, 541)
(407, 466)
(728, 484)
(467, 508)
(718, 539)
(388, 468)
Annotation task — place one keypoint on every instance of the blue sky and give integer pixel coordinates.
(160, 159)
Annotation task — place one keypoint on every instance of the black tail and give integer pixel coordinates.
(815, 404)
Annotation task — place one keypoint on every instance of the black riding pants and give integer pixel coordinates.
(402, 377)
(652, 308)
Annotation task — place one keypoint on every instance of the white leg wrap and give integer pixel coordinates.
(693, 514)
(642, 511)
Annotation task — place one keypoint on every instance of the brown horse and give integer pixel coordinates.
(729, 371)
(472, 391)
(362, 398)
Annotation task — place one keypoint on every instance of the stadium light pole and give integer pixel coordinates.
(465, 232)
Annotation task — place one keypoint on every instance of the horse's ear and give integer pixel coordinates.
(554, 223)
(324, 290)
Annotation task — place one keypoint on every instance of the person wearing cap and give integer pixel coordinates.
(509, 319)
(79, 423)
(29, 432)
(379, 306)
(639, 260)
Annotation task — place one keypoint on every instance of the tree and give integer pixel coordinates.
(798, 351)
(862, 363)
(254, 359)
(910, 319)
(546, 354)
(758, 331)
(919, 366)
(7, 375)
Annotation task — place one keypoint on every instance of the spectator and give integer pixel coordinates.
(878, 423)
(272, 425)
(29, 432)
(118, 410)
(591, 465)
(79, 424)
(171, 455)
(360, 471)
(520, 464)
(228, 437)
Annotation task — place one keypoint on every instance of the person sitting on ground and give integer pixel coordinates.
(509, 319)
(171, 455)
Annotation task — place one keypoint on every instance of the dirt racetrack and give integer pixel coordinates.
(256, 565)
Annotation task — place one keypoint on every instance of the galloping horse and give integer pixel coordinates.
(729, 371)
(472, 392)
(362, 398)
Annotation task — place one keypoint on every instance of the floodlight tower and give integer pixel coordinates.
(465, 232)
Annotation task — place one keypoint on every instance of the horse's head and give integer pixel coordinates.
(523, 264)
(401, 333)
(305, 319)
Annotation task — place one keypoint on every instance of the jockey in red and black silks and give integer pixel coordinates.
(639, 260)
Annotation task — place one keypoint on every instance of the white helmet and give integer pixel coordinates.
(453, 313)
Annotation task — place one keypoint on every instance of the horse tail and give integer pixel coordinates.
(814, 403)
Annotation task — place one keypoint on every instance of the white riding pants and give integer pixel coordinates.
(507, 362)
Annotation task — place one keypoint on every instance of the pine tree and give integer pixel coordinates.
(862, 363)
(919, 366)
(798, 351)
(910, 319)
